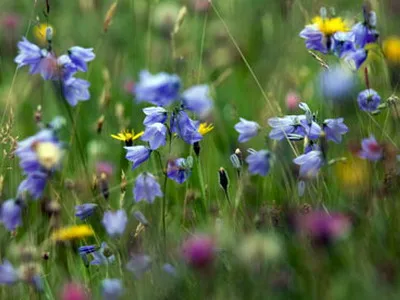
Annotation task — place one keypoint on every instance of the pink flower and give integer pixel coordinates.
(199, 251)
(74, 291)
(292, 100)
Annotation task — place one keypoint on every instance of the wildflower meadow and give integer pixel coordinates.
(199, 149)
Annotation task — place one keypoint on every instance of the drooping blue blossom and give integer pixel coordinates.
(146, 188)
(85, 210)
(75, 90)
(310, 163)
(246, 129)
(334, 129)
(314, 38)
(80, 56)
(33, 185)
(311, 146)
(368, 100)
(112, 289)
(10, 214)
(287, 127)
(311, 129)
(137, 155)
(258, 161)
(365, 31)
(185, 128)
(161, 89)
(115, 222)
(84, 251)
(178, 170)
(156, 135)
(356, 58)
(139, 264)
(343, 43)
(154, 114)
(102, 256)
(197, 100)
(338, 83)
(371, 149)
(8, 274)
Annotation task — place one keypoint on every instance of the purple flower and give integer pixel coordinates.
(343, 43)
(315, 39)
(288, 126)
(137, 155)
(356, 58)
(246, 129)
(112, 289)
(115, 222)
(87, 249)
(370, 149)
(66, 68)
(85, 210)
(338, 83)
(178, 170)
(10, 214)
(75, 90)
(139, 264)
(368, 100)
(155, 114)
(364, 34)
(311, 129)
(334, 129)
(185, 127)
(197, 100)
(80, 56)
(8, 275)
(34, 185)
(102, 256)
(156, 135)
(146, 188)
(199, 251)
(160, 89)
(258, 162)
(309, 163)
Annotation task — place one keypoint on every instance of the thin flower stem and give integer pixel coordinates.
(202, 186)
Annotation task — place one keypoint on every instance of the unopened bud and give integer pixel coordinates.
(49, 34)
(223, 179)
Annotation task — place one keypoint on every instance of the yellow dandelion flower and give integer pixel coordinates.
(329, 26)
(74, 232)
(39, 31)
(205, 128)
(391, 49)
(127, 136)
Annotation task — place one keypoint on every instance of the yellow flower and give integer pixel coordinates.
(391, 49)
(72, 233)
(353, 174)
(127, 136)
(329, 26)
(39, 31)
(205, 128)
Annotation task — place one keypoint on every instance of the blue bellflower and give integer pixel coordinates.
(370, 149)
(112, 289)
(287, 127)
(156, 135)
(368, 100)
(178, 170)
(80, 56)
(197, 100)
(334, 129)
(11, 214)
(102, 256)
(365, 32)
(146, 188)
(85, 210)
(314, 38)
(8, 274)
(75, 90)
(310, 163)
(343, 43)
(259, 162)
(185, 127)
(155, 114)
(356, 58)
(338, 83)
(311, 129)
(161, 89)
(34, 184)
(137, 155)
(115, 222)
(246, 129)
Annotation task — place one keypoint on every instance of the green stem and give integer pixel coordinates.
(202, 186)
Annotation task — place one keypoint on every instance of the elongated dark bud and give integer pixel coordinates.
(104, 186)
(224, 182)
(196, 148)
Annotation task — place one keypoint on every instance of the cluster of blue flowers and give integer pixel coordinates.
(330, 36)
(61, 69)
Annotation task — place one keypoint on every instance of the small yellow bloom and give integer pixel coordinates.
(329, 26)
(39, 31)
(127, 136)
(205, 128)
(72, 233)
(353, 174)
(391, 49)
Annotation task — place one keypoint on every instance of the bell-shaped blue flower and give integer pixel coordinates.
(10, 214)
(186, 128)
(314, 38)
(287, 127)
(310, 163)
(368, 100)
(161, 89)
(75, 90)
(156, 135)
(197, 99)
(8, 274)
(80, 56)
(115, 222)
(334, 129)
(356, 58)
(102, 256)
(178, 170)
(85, 210)
(137, 155)
(246, 129)
(146, 188)
(259, 162)
(155, 114)
(33, 185)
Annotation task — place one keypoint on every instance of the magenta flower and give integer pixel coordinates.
(199, 251)
(370, 149)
